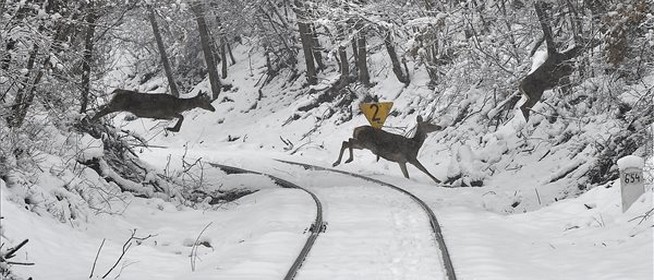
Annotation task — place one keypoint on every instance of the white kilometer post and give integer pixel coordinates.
(632, 182)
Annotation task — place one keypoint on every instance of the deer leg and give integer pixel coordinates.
(525, 111)
(178, 124)
(403, 168)
(340, 156)
(105, 111)
(354, 144)
(524, 108)
(419, 165)
(532, 99)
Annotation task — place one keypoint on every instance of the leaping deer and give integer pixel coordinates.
(392, 147)
(155, 105)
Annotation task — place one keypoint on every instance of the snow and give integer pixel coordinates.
(538, 59)
(630, 162)
(564, 241)
(400, 246)
(90, 148)
(514, 227)
(242, 235)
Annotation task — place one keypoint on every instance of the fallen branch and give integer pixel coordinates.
(95, 261)
(194, 250)
(126, 246)
(644, 216)
(11, 253)
(288, 143)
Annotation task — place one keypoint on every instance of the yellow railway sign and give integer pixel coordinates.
(376, 112)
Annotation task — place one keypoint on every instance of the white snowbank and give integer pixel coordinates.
(631, 162)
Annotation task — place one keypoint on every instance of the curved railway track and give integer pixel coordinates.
(319, 223)
(436, 229)
(315, 228)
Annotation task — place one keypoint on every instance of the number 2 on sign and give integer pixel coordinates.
(375, 118)
(376, 112)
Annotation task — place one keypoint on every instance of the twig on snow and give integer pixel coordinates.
(644, 216)
(194, 250)
(126, 247)
(95, 261)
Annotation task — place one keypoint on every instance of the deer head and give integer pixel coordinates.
(204, 101)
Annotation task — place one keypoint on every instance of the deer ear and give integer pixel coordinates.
(419, 118)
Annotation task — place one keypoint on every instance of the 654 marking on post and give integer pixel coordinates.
(632, 186)
(632, 177)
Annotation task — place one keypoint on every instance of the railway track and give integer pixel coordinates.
(315, 228)
(435, 227)
(319, 224)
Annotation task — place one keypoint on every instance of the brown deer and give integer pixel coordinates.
(555, 70)
(392, 147)
(155, 106)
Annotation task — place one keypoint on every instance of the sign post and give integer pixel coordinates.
(632, 182)
(376, 112)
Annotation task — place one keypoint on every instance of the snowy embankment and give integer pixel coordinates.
(512, 227)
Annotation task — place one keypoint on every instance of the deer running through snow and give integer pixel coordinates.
(155, 106)
(392, 147)
(556, 69)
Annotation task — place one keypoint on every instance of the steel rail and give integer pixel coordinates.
(440, 241)
(315, 228)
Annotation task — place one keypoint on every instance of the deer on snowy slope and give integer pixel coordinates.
(556, 69)
(392, 147)
(155, 105)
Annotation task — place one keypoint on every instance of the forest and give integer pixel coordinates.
(535, 100)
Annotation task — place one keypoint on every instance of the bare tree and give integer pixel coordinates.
(342, 56)
(397, 68)
(307, 42)
(25, 93)
(214, 79)
(223, 48)
(162, 51)
(91, 17)
(315, 46)
(362, 57)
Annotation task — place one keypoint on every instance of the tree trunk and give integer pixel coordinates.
(545, 26)
(308, 52)
(15, 119)
(342, 54)
(88, 56)
(364, 76)
(206, 41)
(345, 66)
(231, 55)
(6, 56)
(355, 54)
(223, 55)
(162, 52)
(222, 47)
(315, 46)
(397, 68)
(306, 38)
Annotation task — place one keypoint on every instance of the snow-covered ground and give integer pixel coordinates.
(511, 228)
